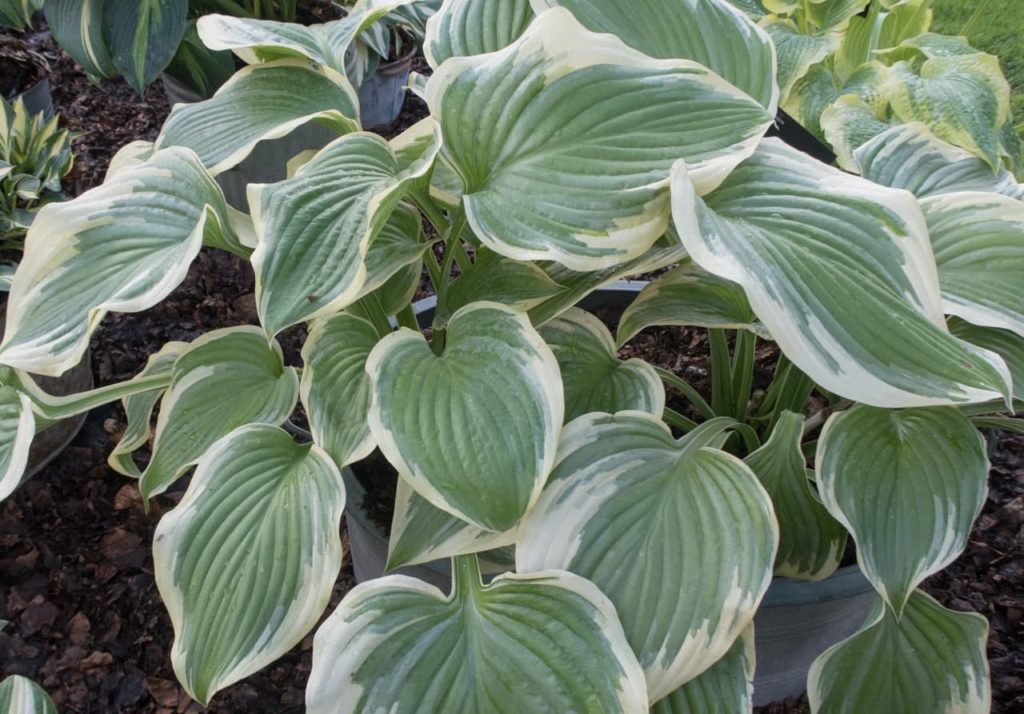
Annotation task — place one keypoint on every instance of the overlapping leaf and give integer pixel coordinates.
(474, 27)
(797, 52)
(143, 36)
(726, 686)
(17, 427)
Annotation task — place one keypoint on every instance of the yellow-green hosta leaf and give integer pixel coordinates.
(929, 661)
(652, 521)
(499, 279)
(474, 27)
(576, 169)
(20, 695)
(978, 239)
(849, 123)
(1006, 344)
(710, 32)
(907, 484)
(225, 379)
(335, 388)
(247, 561)
(122, 246)
(811, 541)
(546, 641)
(692, 297)
(834, 15)
(726, 687)
(17, 427)
(261, 102)
(841, 272)
(910, 156)
(593, 377)
(77, 25)
(143, 37)
(494, 396)
(880, 29)
(796, 52)
(315, 229)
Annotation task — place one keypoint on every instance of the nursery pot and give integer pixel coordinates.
(796, 622)
(381, 95)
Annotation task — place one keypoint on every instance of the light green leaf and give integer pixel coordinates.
(530, 193)
(316, 229)
(929, 660)
(726, 687)
(834, 14)
(77, 25)
(978, 239)
(907, 485)
(261, 102)
(495, 389)
(394, 260)
(809, 97)
(225, 379)
(143, 37)
(797, 52)
(1004, 343)
(335, 388)
(754, 9)
(689, 296)
(849, 123)
(122, 246)
(17, 427)
(474, 27)
(20, 695)
(499, 279)
(247, 561)
(652, 521)
(527, 643)
(710, 32)
(841, 272)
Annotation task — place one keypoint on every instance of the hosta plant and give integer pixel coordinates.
(569, 144)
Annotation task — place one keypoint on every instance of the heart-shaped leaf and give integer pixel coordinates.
(474, 27)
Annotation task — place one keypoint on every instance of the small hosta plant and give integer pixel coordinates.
(569, 144)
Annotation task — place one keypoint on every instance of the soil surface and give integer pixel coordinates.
(76, 571)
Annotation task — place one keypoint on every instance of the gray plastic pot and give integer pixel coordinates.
(382, 94)
(38, 98)
(796, 622)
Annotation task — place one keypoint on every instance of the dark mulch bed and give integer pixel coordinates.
(76, 571)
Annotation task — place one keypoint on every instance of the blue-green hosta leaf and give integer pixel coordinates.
(796, 52)
(225, 379)
(122, 246)
(77, 25)
(143, 36)
(841, 272)
(1006, 344)
(963, 99)
(17, 427)
(600, 197)
(652, 521)
(499, 279)
(17, 14)
(138, 410)
(261, 102)
(710, 32)
(315, 229)
(246, 562)
(495, 391)
(754, 9)
(811, 541)
(727, 686)
(20, 695)
(931, 660)
(335, 388)
(689, 296)
(907, 484)
(978, 239)
(394, 260)
(593, 377)
(849, 123)
(545, 641)
(910, 156)
(474, 27)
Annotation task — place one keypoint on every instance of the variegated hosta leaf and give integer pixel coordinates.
(978, 239)
(907, 485)
(599, 198)
(727, 686)
(122, 246)
(394, 260)
(20, 695)
(1006, 344)
(17, 427)
(652, 521)
(593, 376)
(849, 123)
(754, 9)
(880, 28)
(797, 52)
(929, 660)
(143, 37)
(499, 279)
(689, 296)
(494, 396)
(246, 562)
(225, 379)
(77, 25)
(834, 14)
(811, 541)
(261, 102)
(474, 27)
(841, 272)
(710, 32)
(545, 641)
(315, 229)
(809, 97)
(421, 532)
(910, 156)
(335, 388)
(963, 99)
(138, 409)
